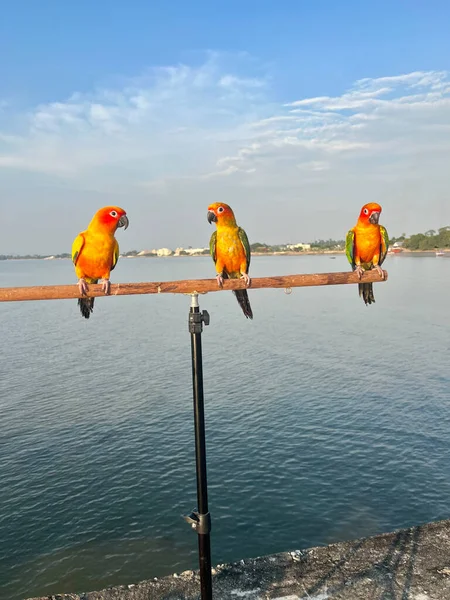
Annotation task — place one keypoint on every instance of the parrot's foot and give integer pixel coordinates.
(82, 286)
(247, 279)
(219, 279)
(359, 271)
(380, 271)
(106, 286)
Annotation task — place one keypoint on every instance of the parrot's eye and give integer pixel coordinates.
(220, 209)
(365, 211)
(113, 213)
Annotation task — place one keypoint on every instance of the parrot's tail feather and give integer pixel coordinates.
(244, 302)
(366, 292)
(86, 306)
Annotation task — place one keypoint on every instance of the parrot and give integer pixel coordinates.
(366, 247)
(230, 251)
(95, 253)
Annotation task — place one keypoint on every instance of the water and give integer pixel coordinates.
(326, 420)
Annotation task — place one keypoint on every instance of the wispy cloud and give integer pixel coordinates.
(188, 118)
(393, 116)
(160, 114)
(213, 130)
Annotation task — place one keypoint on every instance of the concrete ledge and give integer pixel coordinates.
(410, 564)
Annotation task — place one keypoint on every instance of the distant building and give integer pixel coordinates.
(193, 251)
(298, 246)
(190, 251)
(164, 252)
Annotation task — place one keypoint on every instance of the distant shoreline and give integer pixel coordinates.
(404, 252)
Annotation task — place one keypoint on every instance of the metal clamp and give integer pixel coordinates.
(196, 320)
(201, 523)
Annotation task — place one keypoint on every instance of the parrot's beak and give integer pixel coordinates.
(211, 217)
(123, 222)
(374, 218)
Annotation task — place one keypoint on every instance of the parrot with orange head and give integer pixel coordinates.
(230, 251)
(366, 247)
(95, 253)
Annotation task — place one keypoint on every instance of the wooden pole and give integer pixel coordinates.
(188, 286)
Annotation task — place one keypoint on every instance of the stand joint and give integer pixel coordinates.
(196, 320)
(201, 523)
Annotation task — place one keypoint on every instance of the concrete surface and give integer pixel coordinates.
(411, 564)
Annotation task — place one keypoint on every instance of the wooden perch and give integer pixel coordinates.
(188, 286)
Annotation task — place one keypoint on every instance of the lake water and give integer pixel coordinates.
(326, 420)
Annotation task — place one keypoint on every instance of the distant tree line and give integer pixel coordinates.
(262, 247)
(317, 245)
(32, 256)
(328, 244)
(430, 240)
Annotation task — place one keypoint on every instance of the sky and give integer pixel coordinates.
(295, 113)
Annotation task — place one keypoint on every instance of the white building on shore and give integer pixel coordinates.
(298, 246)
(164, 252)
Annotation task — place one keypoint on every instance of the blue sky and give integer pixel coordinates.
(296, 113)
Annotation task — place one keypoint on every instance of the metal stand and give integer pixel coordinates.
(200, 519)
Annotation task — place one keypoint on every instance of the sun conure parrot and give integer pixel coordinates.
(230, 250)
(366, 247)
(95, 252)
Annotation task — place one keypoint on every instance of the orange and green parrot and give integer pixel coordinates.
(230, 251)
(95, 252)
(366, 247)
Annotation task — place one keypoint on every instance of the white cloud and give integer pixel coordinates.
(375, 117)
(185, 134)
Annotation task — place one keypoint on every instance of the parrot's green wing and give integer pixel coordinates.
(350, 247)
(115, 254)
(212, 246)
(244, 239)
(384, 244)
(77, 246)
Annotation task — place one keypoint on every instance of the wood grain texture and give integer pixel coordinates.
(188, 286)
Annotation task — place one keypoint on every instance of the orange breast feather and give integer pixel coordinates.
(96, 257)
(367, 242)
(230, 250)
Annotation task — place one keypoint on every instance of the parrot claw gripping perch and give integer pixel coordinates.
(82, 286)
(359, 271)
(247, 279)
(219, 280)
(380, 271)
(106, 286)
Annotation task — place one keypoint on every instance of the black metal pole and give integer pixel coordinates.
(200, 520)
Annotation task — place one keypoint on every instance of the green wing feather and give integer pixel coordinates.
(115, 254)
(212, 246)
(350, 247)
(384, 244)
(77, 246)
(244, 239)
